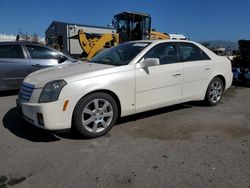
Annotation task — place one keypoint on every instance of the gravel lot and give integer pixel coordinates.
(185, 145)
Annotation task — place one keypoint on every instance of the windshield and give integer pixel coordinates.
(121, 54)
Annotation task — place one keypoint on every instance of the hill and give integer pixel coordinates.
(229, 45)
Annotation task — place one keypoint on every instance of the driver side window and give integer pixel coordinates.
(39, 52)
(166, 53)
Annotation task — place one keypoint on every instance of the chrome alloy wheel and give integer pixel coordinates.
(215, 92)
(97, 115)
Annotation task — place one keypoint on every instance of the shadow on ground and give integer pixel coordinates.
(8, 93)
(19, 127)
(156, 112)
(241, 84)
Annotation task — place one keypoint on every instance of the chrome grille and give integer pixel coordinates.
(25, 92)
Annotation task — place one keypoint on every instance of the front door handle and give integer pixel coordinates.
(176, 74)
(207, 69)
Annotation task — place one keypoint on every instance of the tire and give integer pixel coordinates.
(95, 114)
(214, 92)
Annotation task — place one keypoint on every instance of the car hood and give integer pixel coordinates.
(67, 72)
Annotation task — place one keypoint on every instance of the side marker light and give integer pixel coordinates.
(65, 105)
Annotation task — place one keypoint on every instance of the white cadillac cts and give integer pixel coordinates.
(129, 78)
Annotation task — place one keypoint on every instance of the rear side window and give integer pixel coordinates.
(40, 52)
(11, 51)
(190, 52)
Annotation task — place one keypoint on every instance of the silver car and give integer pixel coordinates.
(18, 59)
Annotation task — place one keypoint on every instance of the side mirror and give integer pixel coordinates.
(149, 62)
(62, 59)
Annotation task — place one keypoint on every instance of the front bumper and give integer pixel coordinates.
(49, 116)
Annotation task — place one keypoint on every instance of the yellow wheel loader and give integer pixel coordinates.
(129, 27)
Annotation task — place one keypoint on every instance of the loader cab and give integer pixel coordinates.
(132, 26)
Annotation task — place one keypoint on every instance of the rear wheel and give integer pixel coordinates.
(214, 92)
(95, 114)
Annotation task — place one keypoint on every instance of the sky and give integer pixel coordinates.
(199, 20)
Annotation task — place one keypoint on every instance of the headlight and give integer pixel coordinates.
(51, 91)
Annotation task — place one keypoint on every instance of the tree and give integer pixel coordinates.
(35, 37)
(27, 37)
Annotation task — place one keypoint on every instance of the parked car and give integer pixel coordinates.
(18, 59)
(126, 79)
(241, 63)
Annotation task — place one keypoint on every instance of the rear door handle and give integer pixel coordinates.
(176, 74)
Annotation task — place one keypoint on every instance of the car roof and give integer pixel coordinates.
(159, 41)
(164, 40)
(31, 43)
(20, 42)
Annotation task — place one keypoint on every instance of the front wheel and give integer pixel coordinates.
(95, 114)
(214, 92)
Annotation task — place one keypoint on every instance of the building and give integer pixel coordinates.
(64, 36)
(6, 38)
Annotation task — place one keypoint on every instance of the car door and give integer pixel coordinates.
(42, 57)
(160, 85)
(196, 71)
(14, 66)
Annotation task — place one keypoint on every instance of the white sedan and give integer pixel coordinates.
(126, 79)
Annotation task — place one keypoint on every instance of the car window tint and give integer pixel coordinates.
(167, 53)
(190, 52)
(40, 52)
(11, 51)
